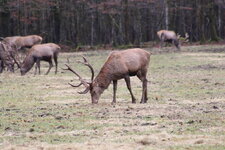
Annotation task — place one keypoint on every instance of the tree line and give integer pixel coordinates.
(111, 22)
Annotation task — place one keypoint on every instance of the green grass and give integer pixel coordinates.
(201, 147)
(186, 101)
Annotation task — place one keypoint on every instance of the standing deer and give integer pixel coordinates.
(9, 47)
(40, 52)
(168, 36)
(23, 41)
(120, 64)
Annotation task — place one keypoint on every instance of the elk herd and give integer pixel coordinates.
(10, 47)
(119, 64)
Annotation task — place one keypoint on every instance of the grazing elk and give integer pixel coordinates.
(168, 36)
(40, 52)
(23, 41)
(120, 64)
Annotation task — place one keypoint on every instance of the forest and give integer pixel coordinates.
(112, 22)
(81, 103)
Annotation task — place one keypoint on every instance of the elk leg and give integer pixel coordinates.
(142, 77)
(144, 91)
(1, 66)
(37, 66)
(35, 70)
(114, 91)
(161, 43)
(127, 79)
(56, 63)
(50, 66)
(176, 43)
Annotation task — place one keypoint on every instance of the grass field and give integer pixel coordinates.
(185, 110)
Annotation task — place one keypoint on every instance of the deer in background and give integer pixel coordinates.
(23, 41)
(9, 47)
(7, 53)
(40, 52)
(168, 36)
(119, 65)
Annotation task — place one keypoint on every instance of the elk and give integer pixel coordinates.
(9, 47)
(6, 54)
(40, 52)
(119, 65)
(168, 36)
(23, 41)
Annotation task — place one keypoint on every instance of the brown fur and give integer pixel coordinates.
(6, 54)
(41, 52)
(23, 41)
(168, 36)
(120, 65)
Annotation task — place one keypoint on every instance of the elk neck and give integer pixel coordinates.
(103, 79)
(29, 62)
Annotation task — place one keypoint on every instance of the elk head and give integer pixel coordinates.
(93, 87)
(184, 39)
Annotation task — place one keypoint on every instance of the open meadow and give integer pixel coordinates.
(185, 110)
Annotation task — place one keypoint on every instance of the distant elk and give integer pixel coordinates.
(7, 53)
(23, 41)
(40, 52)
(168, 36)
(9, 47)
(119, 65)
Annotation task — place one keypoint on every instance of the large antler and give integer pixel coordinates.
(83, 82)
(89, 66)
(12, 52)
(18, 64)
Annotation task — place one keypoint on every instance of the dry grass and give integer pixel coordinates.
(185, 110)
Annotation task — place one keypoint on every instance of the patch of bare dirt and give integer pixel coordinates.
(128, 126)
(209, 67)
(75, 146)
(213, 50)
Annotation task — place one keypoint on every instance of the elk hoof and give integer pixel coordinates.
(142, 102)
(94, 102)
(113, 103)
(134, 101)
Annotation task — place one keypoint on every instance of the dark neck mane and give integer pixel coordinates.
(103, 78)
(28, 62)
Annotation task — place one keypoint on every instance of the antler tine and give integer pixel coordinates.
(75, 85)
(89, 66)
(80, 78)
(82, 81)
(68, 60)
(85, 91)
(70, 69)
(85, 59)
(18, 64)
